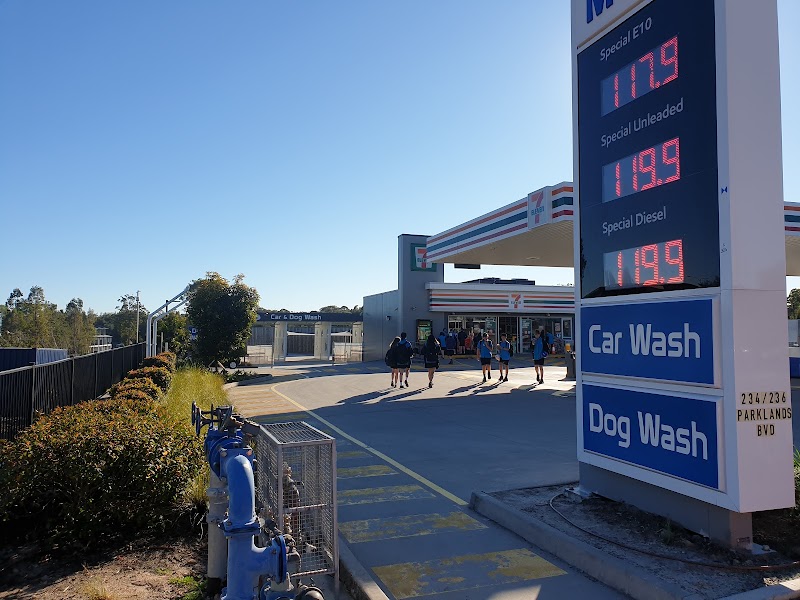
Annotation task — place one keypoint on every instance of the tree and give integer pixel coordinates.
(356, 310)
(14, 297)
(32, 321)
(224, 314)
(175, 328)
(793, 304)
(79, 328)
(122, 324)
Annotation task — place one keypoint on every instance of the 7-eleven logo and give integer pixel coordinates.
(514, 301)
(422, 257)
(537, 207)
(420, 260)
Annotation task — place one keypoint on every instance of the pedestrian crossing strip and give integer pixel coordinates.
(394, 493)
(370, 530)
(465, 572)
(429, 578)
(367, 471)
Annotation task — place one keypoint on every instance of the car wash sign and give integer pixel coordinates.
(669, 341)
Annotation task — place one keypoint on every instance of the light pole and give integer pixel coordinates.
(137, 316)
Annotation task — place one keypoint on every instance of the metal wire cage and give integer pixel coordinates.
(296, 486)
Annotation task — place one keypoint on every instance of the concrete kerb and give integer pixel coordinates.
(355, 577)
(633, 581)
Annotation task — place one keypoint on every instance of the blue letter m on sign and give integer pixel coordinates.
(595, 8)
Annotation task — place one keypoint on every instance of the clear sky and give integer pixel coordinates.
(143, 142)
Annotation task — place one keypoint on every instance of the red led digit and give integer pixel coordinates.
(651, 168)
(616, 90)
(619, 269)
(675, 258)
(633, 80)
(669, 56)
(650, 59)
(618, 184)
(635, 165)
(650, 264)
(672, 160)
(636, 262)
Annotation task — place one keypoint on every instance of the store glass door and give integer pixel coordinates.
(509, 326)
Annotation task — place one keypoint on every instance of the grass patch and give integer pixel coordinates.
(195, 588)
(194, 385)
(204, 388)
(95, 589)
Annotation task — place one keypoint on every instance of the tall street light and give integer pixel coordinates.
(137, 316)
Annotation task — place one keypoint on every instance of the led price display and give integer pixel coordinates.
(648, 190)
(654, 166)
(648, 265)
(649, 72)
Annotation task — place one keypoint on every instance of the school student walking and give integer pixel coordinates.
(431, 353)
(391, 360)
(404, 353)
(504, 355)
(540, 351)
(484, 351)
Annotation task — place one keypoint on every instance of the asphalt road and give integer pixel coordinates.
(409, 459)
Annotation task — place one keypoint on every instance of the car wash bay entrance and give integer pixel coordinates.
(312, 335)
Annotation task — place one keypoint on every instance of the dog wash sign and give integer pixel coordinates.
(680, 260)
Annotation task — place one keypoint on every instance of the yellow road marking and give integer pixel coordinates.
(370, 530)
(379, 454)
(469, 571)
(392, 493)
(368, 471)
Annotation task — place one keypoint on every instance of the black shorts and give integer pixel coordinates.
(539, 362)
(434, 365)
(486, 361)
(505, 362)
(403, 367)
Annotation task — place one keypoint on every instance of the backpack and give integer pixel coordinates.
(404, 352)
(431, 355)
(388, 358)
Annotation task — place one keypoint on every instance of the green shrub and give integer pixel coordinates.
(159, 360)
(134, 394)
(158, 375)
(141, 384)
(96, 470)
(171, 357)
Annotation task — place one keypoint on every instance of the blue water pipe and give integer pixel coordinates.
(231, 461)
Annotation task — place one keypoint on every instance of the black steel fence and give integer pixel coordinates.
(30, 391)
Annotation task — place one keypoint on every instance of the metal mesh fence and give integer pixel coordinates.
(296, 486)
(16, 388)
(39, 389)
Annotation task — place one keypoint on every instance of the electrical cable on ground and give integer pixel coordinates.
(695, 563)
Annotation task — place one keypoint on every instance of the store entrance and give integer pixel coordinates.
(509, 326)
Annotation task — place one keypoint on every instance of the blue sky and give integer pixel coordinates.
(143, 143)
